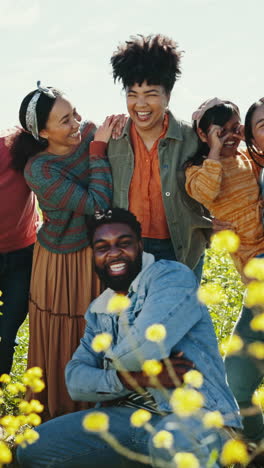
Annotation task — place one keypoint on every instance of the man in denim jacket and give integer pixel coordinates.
(162, 292)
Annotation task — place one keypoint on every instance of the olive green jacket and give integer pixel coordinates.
(188, 220)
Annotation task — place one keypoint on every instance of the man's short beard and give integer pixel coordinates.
(122, 282)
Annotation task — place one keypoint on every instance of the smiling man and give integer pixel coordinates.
(148, 159)
(161, 292)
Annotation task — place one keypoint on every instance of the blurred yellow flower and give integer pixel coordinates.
(234, 451)
(152, 367)
(256, 349)
(5, 378)
(15, 388)
(258, 397)
(231, 345)
(225, 240)
(37, 385)
(140, 417)
(156, 332)
(1, 303)
(254, 294)
(255, 268)
(5, 453)
(36, 406)
(102, 342)
(186, 460)
(210, 293)
(257, 323)
(186, 401)
(96, 422)
(194, 378)
(33, 419)
(163, 439)
(118, 303)
(29, 436)
(213, 419)
(34, 372)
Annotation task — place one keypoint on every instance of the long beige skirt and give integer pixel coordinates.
(62, 287)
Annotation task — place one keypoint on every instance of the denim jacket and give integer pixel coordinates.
(188, 221)
(163, 292)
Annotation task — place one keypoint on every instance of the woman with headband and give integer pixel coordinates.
(71, 177)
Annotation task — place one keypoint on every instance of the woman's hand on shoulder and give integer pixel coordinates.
(112, 126)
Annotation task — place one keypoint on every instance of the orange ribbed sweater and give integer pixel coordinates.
(229, 190)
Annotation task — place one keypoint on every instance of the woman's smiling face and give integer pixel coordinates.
(146, 105)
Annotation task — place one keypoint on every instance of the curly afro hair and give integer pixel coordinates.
(154, 59)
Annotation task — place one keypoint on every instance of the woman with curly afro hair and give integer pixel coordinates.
(148, 159)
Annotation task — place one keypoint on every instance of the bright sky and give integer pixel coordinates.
(68, 44)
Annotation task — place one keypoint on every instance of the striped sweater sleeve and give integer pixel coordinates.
(56, 189)
(203, 183)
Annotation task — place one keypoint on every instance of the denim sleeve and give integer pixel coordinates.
(86, 379)
(171, 300)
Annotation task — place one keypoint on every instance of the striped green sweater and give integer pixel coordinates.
(68, 189)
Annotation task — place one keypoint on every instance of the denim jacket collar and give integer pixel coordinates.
(100, 305)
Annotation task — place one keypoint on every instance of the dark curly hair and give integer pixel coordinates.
(256, 155)
(25, 146)
(154, 59)
(114, 215)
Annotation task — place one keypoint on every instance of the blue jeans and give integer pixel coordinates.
(163, 249)
(63, 443)
(15, 271)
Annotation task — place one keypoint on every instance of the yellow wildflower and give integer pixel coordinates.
(156, 332)
(213, 419)
(1, 303)
(36, 406)
(186, 401)
(257, 323)
(258, 397)
(96, 422)
(118, 303)
(37, 385)
(34, 372)
(163, 439)
(225, 240)
(28, 437)
(101, 342)
(33, 419)
(255, 294)
(13, 388)
(1, 293)
(234, 451)
(255, 268)
(231, 345)
(5, 453)
(186, 460)
(5, 378)
(256, 349)
(152, 367)
(210, 293)
(194, 378)
(140, 417)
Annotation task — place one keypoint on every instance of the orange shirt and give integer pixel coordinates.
(229, 190)
(145, 196)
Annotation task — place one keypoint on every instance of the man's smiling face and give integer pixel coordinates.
(117, 255)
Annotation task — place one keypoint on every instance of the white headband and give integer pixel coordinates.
(31, 115)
